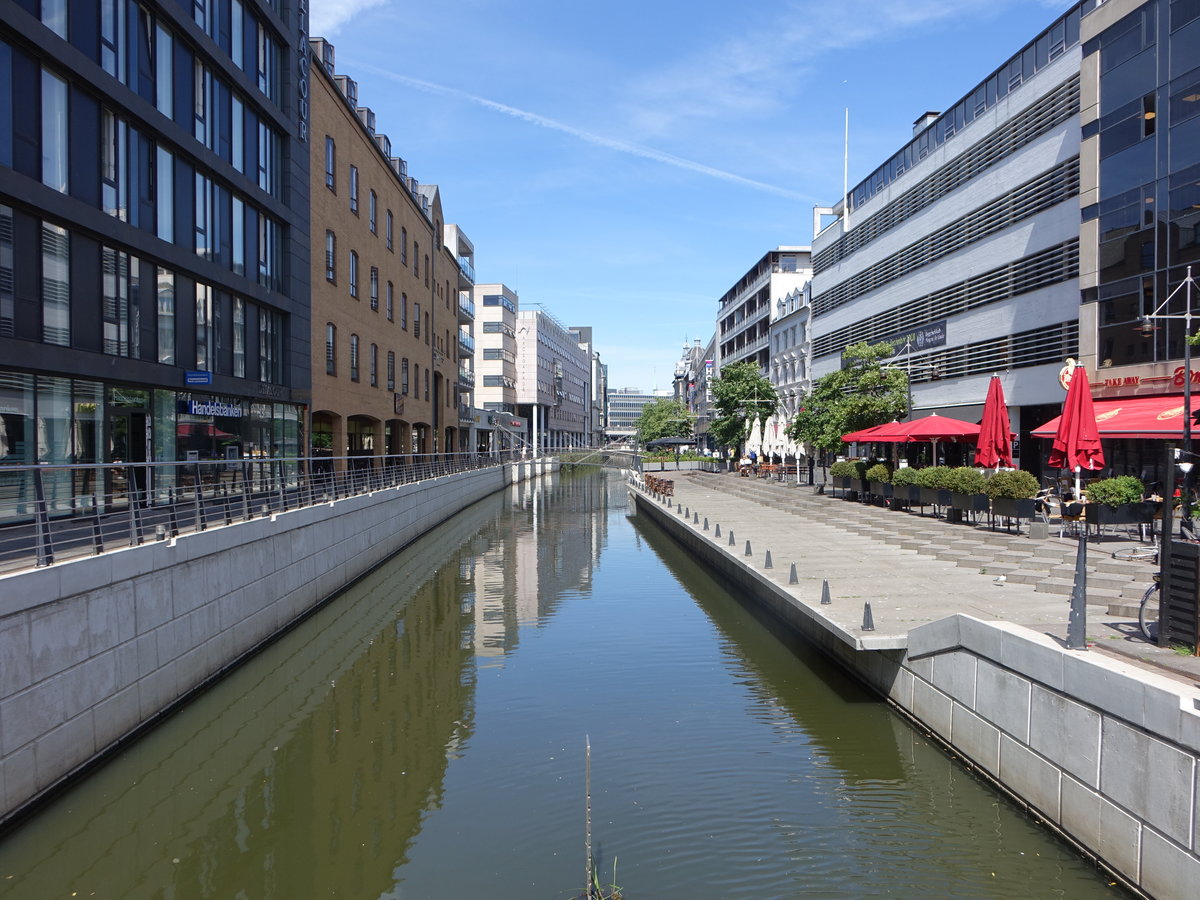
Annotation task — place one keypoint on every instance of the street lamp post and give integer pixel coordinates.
(1147, 327)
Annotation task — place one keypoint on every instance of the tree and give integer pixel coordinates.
(864, 392)
(742, 396)
(663, 418)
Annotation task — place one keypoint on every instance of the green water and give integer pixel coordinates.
(423, 737)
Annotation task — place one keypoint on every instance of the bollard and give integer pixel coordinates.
(696, 518)
(717, 533)
(868, 619)
(794, 578)
(749, 552)
(825, 598)
(731, 542)
(687, 512)
(706, 523)
(1077, 618)
(678, 507)
(767, 564)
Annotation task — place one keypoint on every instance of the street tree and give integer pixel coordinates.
(663, 418)
(742, 396)
(865, 391)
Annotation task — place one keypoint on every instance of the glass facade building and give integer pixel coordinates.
(153, 230)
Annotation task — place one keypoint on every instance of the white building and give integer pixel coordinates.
(496, 308)
(746, 310)
(553, 382)
(789, 374)
(963, 247)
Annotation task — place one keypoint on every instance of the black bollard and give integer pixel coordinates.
(695, 518)
(717, 532)
(868, 619)
(706, 523)
(1077, 620)
(731, 541)
(767, 564)
(825, 598)
(749, 552)
(794, 577)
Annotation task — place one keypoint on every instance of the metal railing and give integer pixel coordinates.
(51, 513)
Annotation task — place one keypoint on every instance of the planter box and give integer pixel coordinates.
(935, 496)
(881, 489)
(969, 502)
(1012, 508)
(1128, 514)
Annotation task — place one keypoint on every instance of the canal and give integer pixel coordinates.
(422, 736)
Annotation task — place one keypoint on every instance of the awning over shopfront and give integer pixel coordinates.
(1134, 417)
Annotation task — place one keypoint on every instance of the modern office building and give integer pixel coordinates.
(963, 248)
(625, 408)
(553, 382)
(154, 237)
(745, 311)
(496, 308)
(1141, 213)
(598, 387)
(385, 287)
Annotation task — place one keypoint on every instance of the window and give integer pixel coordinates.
(416, 320)
(164, 72)
(166, 316)
(330, 257)
(164, 194)
(375, 288)
(388, 231)
(374, 364)
(426, 328)
(119, 294)
(330, 348)
(389, 300)
(353, 274)
(239, 337)
(417, 259)
(204, 328)
(267, 64)
(238, 135)
(204, 245)
(427, 384)
(56, 285)
(238, 236)
(55, 132)
(270, 346)
(403, 246)
(112, 37)
(404, 376)
(404, 310)
(372, 211)
(237, 23)
(268, 252)
(354, 189)
(54, 16)
(114, 171)
(354, 357)
(391, 370)
(330, 164)
(268, 158)
(426, 270)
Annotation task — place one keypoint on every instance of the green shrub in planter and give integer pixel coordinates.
(905, 477)
(1116, 491)
(843, 468)
(966, 480)
(934, 477)
(1015, 485)
(879, 472)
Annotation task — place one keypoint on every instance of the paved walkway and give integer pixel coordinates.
(915, 569)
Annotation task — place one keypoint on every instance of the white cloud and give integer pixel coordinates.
(325, 17)
(587, 136)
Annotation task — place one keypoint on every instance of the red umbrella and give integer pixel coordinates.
(936, 428)
(884, 432)
(994, 447)
(1077, 443)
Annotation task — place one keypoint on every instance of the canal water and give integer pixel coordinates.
(423, 736)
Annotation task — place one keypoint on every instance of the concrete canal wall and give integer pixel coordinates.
(1105, 752)
(94, 649)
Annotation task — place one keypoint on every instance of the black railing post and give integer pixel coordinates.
(135, 516)
(45, 547)
(245, 491)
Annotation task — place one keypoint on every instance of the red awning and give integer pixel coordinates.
(1133, 417)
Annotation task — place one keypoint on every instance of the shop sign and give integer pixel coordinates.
(220, 408)
(190, 377)
(1175, 380)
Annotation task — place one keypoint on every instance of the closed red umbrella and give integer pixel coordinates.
(1077, 443)
(994, 447)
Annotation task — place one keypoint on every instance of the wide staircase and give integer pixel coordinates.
(1048, 564)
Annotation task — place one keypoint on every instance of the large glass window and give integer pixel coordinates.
(205, 246)
(269, 250)
(237, 137)
(54, 16)
(119, 281)
(268, 158)
(112, 38)
(56, 285)
(268, 64)
(6, 110)
(114, 169)
(164, 190)
(354, 357)
(204, 328)
(270, 346)
(166, 316)
(330, 256)
(55, 132)
(239, 337)
(238, 237)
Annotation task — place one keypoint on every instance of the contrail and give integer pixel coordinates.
(598, 140)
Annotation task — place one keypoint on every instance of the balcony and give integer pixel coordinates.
(466, 378)
(466, 309)
(464, 414)
(466, 268)
(466, 344)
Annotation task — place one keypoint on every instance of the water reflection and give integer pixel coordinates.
(421, 737)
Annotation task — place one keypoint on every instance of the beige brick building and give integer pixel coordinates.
(385, 308)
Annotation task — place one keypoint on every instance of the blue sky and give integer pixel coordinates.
(624, 163)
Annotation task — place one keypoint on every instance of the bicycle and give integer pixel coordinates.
(1148, 611)
(1147, 552)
